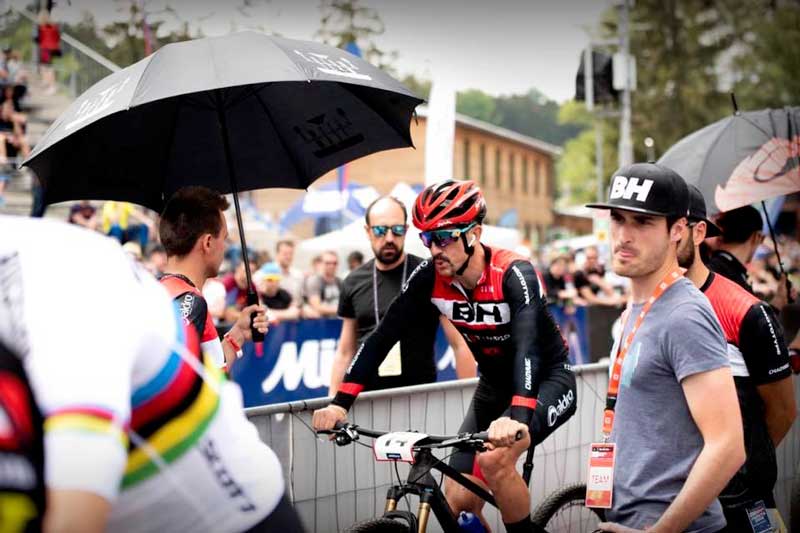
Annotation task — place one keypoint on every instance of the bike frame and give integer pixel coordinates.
(421, 483)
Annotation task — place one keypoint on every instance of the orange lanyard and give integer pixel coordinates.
(616, 373)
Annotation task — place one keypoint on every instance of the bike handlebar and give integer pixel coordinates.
(346, 433)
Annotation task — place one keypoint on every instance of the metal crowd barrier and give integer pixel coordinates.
(333, 487)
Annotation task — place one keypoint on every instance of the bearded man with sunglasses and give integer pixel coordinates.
(494, 299)
(366, 294)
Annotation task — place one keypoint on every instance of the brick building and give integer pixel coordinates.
(515, 172)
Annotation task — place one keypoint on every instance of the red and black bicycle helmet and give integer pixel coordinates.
(449, 203)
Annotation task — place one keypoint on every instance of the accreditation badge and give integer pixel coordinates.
(600, 482)
(393, 364)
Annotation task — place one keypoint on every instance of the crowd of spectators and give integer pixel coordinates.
(13, 122)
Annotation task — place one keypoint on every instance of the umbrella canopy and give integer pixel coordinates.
(745, 158)
(240, 112)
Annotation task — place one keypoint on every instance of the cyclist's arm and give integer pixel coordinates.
(465, 361)
(344, 354)
(524, 297)
(75, 510)
(767, 359)
(407, 307)
(720, 424)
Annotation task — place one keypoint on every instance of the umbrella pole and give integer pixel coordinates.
(252, 297)
(777, 253)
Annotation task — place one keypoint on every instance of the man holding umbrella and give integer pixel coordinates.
(193, 231)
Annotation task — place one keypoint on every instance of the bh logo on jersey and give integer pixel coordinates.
(627, 188)
(474, 312)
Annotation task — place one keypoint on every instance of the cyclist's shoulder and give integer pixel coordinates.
(423, 274)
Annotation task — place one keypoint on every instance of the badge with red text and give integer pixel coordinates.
(600, 483)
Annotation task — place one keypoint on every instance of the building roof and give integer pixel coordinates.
(474, 123)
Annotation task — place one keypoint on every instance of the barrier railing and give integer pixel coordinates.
(333, 487)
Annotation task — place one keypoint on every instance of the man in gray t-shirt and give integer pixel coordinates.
(656, 436)
(676, 424)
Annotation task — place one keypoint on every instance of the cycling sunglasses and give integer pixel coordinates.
(380, 231)
(443, 237)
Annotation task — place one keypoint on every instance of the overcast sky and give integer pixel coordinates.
(499, 46)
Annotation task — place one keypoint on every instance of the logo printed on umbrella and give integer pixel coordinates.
(331, 135)
(95, 105)
(337, 67)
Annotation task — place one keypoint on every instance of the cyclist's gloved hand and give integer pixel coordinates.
(324, 419)
(503, 433)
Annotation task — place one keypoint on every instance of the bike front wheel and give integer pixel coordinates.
(378, 525)
(564, 511)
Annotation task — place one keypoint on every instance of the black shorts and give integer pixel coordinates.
(557, 402)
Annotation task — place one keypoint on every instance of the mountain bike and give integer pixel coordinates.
(417, 449)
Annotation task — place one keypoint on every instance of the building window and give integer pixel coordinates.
(497, 179)
(536, 171)
(525, 176)
(483, 164)
(511, 171)
(528, 231)
(467, 172)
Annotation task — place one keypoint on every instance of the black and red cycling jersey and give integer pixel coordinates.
(504, 320)
(758, 356)
(194, 310)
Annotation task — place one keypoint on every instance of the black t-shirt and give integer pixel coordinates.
(281, 300)
(416, 347)
(553, 286)
(727, 265)
(582, 279)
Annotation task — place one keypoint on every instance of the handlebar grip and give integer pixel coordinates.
(484, 436)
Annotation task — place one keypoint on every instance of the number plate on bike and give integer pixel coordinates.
(397, 446)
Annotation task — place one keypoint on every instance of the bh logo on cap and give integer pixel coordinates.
(626, 188)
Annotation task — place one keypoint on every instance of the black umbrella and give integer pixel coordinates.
(741, 159)
(240, 112)
(745, 158)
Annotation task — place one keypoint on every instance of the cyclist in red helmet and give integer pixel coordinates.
(495, 299)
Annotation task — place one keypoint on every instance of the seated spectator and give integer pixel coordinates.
(48, 39)
(354, 260)
(84, 214)
(156, 259)
(236, 292)
(590, 281)
(12, 130)
(322, 290)
(125, 222)
(279, 302)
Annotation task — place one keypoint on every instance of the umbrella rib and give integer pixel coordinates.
(139, 81)
(289, 153)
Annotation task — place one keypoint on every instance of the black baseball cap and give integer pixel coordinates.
(697, 211)
(647, 188)
(739, 224)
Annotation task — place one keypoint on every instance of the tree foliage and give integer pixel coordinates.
(348, 21)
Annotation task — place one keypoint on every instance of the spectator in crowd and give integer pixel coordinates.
(366, 294)
(292, 279)
(84, 214)
(125, 222)
(156, 259)
(354, 260)
(558, 282)
(590, 282)
(236, 291)
(760, 366)
(48, 40)
(280, 306)
(323, 289)
(675, 448)
(193, 230)
(214, 295)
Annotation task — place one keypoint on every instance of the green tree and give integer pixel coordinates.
(477, 104)
(348, 21)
